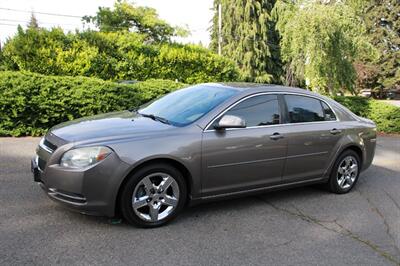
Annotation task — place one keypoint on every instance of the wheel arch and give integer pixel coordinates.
(175, 163)
(356, 149)
(350, 146)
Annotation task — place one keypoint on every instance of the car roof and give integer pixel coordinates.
(259, 87)
(245, 89)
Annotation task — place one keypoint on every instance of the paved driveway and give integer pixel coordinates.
(304, 226)
(393, 102)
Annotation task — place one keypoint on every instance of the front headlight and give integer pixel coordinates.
(83, 157)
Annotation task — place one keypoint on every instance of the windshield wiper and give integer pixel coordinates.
(156, 118)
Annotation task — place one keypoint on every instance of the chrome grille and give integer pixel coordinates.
(49, 145)
(41, 163)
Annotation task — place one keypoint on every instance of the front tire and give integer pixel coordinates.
(153, 196)
(345, 172)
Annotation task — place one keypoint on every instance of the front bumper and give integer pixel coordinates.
(91, 190)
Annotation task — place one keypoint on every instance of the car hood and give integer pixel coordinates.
(109, 125)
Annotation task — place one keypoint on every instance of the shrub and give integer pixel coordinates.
(386, 116)
(31, 103)
(358, 105)
(113, 56)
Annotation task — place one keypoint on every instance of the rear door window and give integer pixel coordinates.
(302, 109)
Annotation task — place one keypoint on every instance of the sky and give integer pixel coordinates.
(196, 14)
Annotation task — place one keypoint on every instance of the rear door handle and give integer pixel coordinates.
(335, 131)
(276, 136)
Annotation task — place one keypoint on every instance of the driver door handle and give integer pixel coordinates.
(335, 131)
(276, 136)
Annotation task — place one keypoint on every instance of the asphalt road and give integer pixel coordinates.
(303, 226)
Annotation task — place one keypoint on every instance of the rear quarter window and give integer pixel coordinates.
(329, 114)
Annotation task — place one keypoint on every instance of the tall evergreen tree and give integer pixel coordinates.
(383, 25)
(33, 22)
(249, 38)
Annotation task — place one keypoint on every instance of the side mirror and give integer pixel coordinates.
(231, 121)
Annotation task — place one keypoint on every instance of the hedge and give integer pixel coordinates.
(112, 56)
(31, 103)
(386, 116)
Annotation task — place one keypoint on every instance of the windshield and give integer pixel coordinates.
(185, 106)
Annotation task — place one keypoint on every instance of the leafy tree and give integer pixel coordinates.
(358, 6)
(126, 16)
(383, 25)
(249, 38)
(366, 75)
(320, 42)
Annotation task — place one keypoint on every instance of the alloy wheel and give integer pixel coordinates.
(347, 172)
(155, 197)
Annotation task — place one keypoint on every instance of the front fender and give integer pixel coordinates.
(184, 149)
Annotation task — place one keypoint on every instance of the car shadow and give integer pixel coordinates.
(209, 208)
(312, 192)
(255, 200)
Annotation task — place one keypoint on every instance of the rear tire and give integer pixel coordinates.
(345, 172)
(153, 196)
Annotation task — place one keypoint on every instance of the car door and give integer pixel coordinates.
(245, 158)
(312, 133)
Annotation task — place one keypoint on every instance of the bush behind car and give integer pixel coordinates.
(386, 116)
(32, 103)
